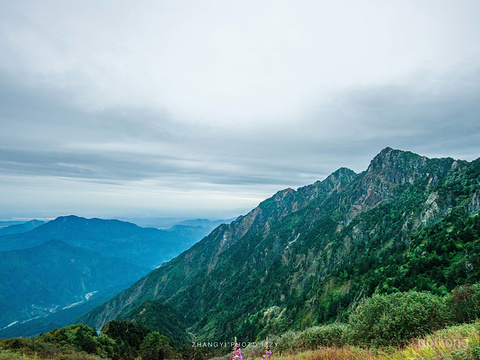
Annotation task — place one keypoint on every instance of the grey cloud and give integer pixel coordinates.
(53, 114)
(83, 165)
(48, 135)
(151, 95)
(439, 117)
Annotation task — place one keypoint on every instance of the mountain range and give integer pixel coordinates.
(305, 257)
(146, 247)
(52, 273)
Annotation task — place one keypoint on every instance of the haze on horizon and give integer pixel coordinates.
(205, 108)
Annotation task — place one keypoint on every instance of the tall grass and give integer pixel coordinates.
(10, 355)
(455, 342)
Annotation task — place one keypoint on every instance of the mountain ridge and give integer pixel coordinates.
(20, 228)
(142, 246)
(303, 256)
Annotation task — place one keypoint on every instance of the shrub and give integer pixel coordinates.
(395, 319)
(288, 342)
(314, 338)
(464, 303)
(155, 347)
(10, 355)
(326, 335)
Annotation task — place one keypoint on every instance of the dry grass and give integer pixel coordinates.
(456, 342)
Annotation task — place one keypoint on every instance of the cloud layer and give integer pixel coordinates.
(194, 108)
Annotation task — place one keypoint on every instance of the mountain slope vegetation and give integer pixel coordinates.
(41, 280)
(305, 257)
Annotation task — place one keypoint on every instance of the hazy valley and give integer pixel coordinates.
(54, 272)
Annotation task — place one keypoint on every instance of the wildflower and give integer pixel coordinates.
(238, 356)
(268, 353)
(236, 353)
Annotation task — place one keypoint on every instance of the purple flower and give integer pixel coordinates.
(267, 352)
(238, 356)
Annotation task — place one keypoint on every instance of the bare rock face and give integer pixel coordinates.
(474, 204)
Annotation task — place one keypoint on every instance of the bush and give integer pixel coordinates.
(326, 335)
(155, 347)
(314, 338)
(10, 355)
(395, 319)
(288, 342)
(464, 303)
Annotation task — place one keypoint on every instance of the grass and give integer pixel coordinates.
(11, 355)
(460, 342)
(455, 343)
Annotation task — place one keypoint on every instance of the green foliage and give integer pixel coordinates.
(119, 340)
(390, 320)
(10, 355)
(452, 343)
(132, 339)
(464, 303)
(69, 342)
(288, 342)
(155, 347)
(161, 318)
(313, 338)
(387, 320)
(394, 319)
(126, 332)
(324, 336)
(446, 254)
(81, 338)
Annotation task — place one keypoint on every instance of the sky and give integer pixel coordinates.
(205, 108)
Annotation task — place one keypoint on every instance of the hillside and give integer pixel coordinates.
(303, 257)
(42, 280)
(161, 318)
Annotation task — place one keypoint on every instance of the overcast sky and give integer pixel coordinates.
(205, 108)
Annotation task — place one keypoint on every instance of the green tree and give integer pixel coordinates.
(155, 347)
(464, 303)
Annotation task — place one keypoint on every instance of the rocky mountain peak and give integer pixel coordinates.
(390, 158)
(341, 177)
(397, 166)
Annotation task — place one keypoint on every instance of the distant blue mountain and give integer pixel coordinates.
(146, 247)
(44, 279)
(46, 267)
(21, 228)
